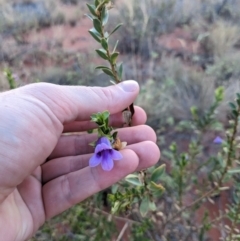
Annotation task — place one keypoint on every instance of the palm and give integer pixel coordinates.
(22, 212)
(33, 190)
(20, 217)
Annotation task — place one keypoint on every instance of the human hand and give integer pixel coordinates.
(42, 172)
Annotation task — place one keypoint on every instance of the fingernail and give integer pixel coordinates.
(129, 85)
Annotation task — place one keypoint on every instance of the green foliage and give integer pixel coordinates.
(83, 222)
(138, 190)
(100, 16)
(11, 81)
(157, 173)
(102, 120)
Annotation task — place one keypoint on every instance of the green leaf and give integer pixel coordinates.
(235, 113)
(97, 2)
(114, 57)
(152, 206)
(89, 16)
(101, 67)
(104, 16)
(120, 70)
(114, 188)
(238, 102)
(173, 147)
(144, 206)
(116, 207)
(133, 175)
(95, 34)
(157, 189)
(92, 9)
(105, 115)
(108, 72)
(102, 53)
(106, 35)
(113, 82)
(194, 111)
(114, 135)
(97, 25)
(219, 93)
(93, 144)
(157, 173)
(104, 43)
(90, 131)
(234, 171)
(233, 106)
(11, 81)
(115, 29)
(115, 47)
(133, 179)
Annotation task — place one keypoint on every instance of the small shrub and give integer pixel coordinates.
(222, 38)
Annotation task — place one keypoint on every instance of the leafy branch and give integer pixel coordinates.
(230, 155)
(99, 14)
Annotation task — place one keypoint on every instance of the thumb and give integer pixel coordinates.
(70, 103)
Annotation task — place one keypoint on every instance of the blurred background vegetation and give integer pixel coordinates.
(179, 51)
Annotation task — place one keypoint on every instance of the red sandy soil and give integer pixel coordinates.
(179, 40)
(72, 38)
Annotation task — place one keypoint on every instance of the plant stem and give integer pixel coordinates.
(219, 184)
(113, 67)
(130, 221)
(129, 111)
(230, 152)
(180, 187)
(234, 223)
(189, 206)
(122, 232)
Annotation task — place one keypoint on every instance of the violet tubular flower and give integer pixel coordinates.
(218, 140)
(104, 154)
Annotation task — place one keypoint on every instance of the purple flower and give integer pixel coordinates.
(218, 140)
(104, 154)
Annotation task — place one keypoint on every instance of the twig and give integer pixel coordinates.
(229, 163)
(122, 231)
(117, 217)
(190, 205)
(234, 223)
(229, 156)
(213, 221)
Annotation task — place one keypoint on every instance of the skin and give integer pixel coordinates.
(43, 172)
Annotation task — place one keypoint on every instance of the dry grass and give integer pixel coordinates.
(15, 21)
(223, 36)
(179, 88)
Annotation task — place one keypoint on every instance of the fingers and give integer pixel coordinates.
(65, 191)
(70, 103)
(116, 120)
(72, 145)
(62, 166)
